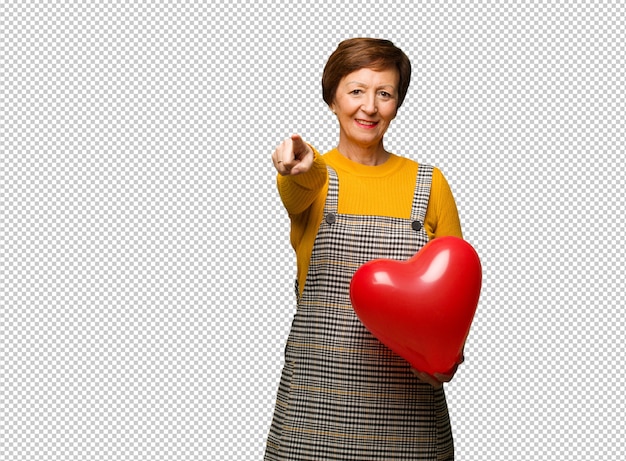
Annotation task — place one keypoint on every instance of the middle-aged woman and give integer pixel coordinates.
(343, 395)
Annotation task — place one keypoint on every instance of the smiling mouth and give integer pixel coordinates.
(366, 123)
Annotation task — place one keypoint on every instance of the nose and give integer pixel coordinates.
(369, 105)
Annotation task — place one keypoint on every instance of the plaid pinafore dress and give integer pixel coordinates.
(343, 395)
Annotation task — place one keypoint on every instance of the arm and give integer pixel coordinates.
(442, 216)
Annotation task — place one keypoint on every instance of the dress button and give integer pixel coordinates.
(331, 218)
(416, 225)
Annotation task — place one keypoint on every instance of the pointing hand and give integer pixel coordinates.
(293, 156)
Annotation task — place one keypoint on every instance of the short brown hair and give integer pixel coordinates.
(358, 53)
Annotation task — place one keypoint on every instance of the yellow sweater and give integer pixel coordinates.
(383, 190)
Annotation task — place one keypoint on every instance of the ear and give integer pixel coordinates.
(332, 108)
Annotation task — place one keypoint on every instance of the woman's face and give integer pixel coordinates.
(366, 102)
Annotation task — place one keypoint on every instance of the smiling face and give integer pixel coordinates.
(366, 102)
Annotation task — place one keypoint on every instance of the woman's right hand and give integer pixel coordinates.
(293, 156)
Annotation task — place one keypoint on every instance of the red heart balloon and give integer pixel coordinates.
(421, 308)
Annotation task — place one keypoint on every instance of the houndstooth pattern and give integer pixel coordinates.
(343, 395)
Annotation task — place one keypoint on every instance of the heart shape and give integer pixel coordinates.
(421, 308)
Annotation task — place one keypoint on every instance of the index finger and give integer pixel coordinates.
(298, 143)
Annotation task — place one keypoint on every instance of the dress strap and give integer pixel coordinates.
(332, 196)
(421, 195)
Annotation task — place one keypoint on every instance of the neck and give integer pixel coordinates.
(365, 155)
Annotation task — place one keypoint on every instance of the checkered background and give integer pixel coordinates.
(146, 277)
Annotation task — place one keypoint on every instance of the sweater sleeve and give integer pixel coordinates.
(299, 192)
(442, 217)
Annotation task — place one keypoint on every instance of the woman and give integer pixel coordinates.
(343, 395)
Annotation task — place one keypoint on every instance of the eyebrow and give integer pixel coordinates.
(363, 84)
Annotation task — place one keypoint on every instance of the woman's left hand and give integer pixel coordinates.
(437, 379)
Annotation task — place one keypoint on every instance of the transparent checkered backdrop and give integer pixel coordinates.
(146, 272)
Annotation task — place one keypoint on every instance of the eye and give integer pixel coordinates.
(386, 95)
(356, 91)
